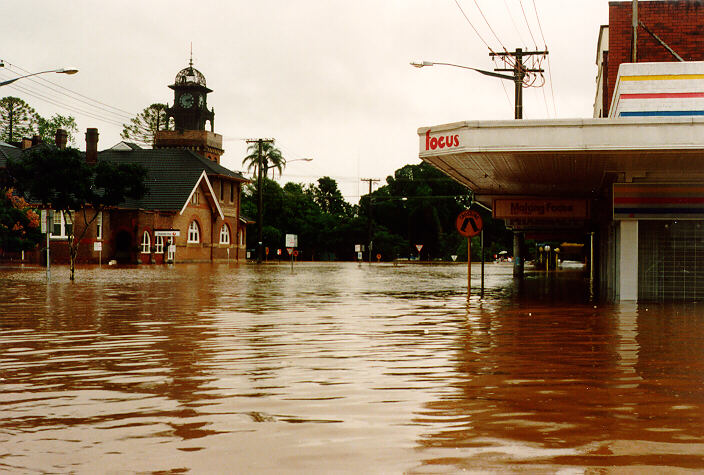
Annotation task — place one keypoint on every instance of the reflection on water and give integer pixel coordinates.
(341, 368)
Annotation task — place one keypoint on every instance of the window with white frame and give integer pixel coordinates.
(195, 199)
(146, 242)
(194, 232)
(225, 234)
(159, 244)
(99, 226)
(62, 225)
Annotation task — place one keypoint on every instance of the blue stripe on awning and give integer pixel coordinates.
(660, 113)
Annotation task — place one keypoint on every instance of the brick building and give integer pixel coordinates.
(676, 24)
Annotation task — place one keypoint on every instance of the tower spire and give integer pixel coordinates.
(190, 63)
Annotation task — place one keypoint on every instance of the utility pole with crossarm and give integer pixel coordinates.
(519, 73)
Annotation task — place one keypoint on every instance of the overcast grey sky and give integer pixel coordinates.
(328, 79)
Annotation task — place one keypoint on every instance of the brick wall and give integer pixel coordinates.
(679, 23)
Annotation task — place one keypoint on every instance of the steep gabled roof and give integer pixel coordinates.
(172, 174)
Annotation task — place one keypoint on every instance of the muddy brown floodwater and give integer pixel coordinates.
(341, 367)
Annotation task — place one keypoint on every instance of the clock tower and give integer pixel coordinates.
(190, 114)
(190, 109)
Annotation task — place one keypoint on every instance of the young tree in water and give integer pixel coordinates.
(62, 180)
(144, 127)
(17, 119)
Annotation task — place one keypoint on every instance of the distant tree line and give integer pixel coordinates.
(418, 205)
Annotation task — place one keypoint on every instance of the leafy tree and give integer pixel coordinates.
(47, 127)
(143, 128)
(61, 179)
(271, 158)
(329, 197)
(19, 224)
(17, 119)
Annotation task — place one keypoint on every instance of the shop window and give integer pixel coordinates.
(225, 234)
(146, 242)
(194, 232)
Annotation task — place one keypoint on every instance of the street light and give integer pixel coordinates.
(60, 71)
(519, 73)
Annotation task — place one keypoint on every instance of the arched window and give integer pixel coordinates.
(224, 234)
(194, 232)
(146, 242)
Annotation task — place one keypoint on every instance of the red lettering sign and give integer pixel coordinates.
(432, 143)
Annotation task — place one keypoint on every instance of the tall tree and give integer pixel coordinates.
(143, 128)
(329, 197)
(17, 119)
(47, 127)
(270, 156)
(61, 179)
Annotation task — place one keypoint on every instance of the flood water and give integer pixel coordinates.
(340, 367)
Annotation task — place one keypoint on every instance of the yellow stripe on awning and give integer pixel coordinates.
(662, 77)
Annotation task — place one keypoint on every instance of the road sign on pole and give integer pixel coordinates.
(469, 223)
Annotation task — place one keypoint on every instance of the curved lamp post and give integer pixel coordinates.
(60, 71)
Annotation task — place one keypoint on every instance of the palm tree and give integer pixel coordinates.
(271, 158)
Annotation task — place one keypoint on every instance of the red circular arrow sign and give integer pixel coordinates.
(469, 223)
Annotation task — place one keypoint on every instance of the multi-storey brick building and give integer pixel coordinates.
(665, 27)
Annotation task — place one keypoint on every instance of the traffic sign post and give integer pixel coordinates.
(469, 223)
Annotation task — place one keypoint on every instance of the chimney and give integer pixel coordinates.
(91, 145)
(61, 138)
(26, 143)
(36, 140)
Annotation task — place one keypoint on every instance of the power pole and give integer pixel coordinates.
(369, 217)
(260, 205)
(519, 73)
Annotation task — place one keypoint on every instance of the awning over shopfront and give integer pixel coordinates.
(569, 158)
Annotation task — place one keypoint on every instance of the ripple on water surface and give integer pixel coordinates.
(341, 367)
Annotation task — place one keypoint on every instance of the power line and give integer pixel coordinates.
(515, 26)
(472, 25)
(124, 112)
(487, 24)
(520, 2)
(552, 91)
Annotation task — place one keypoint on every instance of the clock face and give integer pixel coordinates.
(186, 101)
